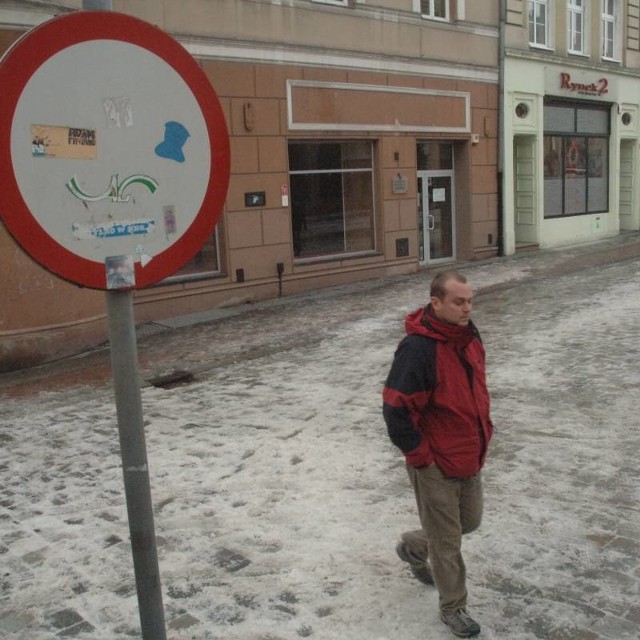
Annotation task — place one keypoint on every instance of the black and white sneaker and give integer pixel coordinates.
(417, 565)
(460, 623)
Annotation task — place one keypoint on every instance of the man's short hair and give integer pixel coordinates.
(440, 280)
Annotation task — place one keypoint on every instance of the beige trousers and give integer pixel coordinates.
(448, 508)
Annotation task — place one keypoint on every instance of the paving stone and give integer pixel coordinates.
(231, 561)
(572, 633)
(65, 618)
(76, 630)
(12, 621)
(183, 622)
(634, 614)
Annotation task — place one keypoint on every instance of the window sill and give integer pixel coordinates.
(335, 258)
(190, 277)
(542, 47)
(573, 215)
(435, 18)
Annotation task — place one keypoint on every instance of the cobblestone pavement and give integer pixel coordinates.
(247, 456)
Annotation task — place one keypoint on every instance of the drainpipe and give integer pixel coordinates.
(501, 117)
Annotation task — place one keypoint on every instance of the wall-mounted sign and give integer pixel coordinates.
(598, 88)
(400, 184)
(255, 199)
(578, 84)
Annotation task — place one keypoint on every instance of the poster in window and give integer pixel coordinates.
(574, 157)
(595, 162)
(552, 157)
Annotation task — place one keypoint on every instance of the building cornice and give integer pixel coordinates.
(234, 51)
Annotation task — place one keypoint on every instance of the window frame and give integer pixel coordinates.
(335, 3)
(567, 137)
(430, 14)
(613, 20)
(193, 276)
(344, 171)
(577, 9)
(548, 24)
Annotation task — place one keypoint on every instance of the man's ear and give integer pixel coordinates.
(436, 303)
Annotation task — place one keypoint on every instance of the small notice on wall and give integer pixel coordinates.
(63, 142)
(400, 184)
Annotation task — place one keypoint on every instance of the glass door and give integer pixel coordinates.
(436, 216)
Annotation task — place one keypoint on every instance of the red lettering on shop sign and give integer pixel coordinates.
(599, 88)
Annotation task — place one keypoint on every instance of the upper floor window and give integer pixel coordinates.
(576, 26)
(434, 9)
(539, 25)
(610, 29)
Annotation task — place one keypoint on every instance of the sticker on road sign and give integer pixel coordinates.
(63, 142)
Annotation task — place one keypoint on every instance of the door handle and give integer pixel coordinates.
(432, 222)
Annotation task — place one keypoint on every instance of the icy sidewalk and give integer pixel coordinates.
(279, 499)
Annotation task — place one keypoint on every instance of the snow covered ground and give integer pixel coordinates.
(278, 497)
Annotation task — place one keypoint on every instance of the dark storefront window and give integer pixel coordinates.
(435, 156)
(331, 198)
(576, 159)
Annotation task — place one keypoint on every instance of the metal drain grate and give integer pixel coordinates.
(173, 379)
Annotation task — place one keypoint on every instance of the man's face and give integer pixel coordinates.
(455, 307)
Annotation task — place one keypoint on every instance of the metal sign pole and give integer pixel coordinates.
(93, 250)
(124, 363)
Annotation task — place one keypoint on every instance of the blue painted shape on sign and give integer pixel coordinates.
(175, 136)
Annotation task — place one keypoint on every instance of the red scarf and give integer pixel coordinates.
(459, 336)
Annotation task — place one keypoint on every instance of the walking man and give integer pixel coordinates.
(436, 407)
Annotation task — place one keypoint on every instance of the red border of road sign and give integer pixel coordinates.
(17, 67)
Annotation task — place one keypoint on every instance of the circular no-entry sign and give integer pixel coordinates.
(114, 151)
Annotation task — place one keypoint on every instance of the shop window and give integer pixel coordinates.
(576, 16)
(610, 29)
(540, 23)
(434, 156)
(576, 160)
(433, 9)
(204, 263)
(332, 210)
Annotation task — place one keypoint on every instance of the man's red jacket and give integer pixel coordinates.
(436, 402)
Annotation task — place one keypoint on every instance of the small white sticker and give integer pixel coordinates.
(119, 112)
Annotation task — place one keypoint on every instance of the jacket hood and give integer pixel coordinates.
(423, 322)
